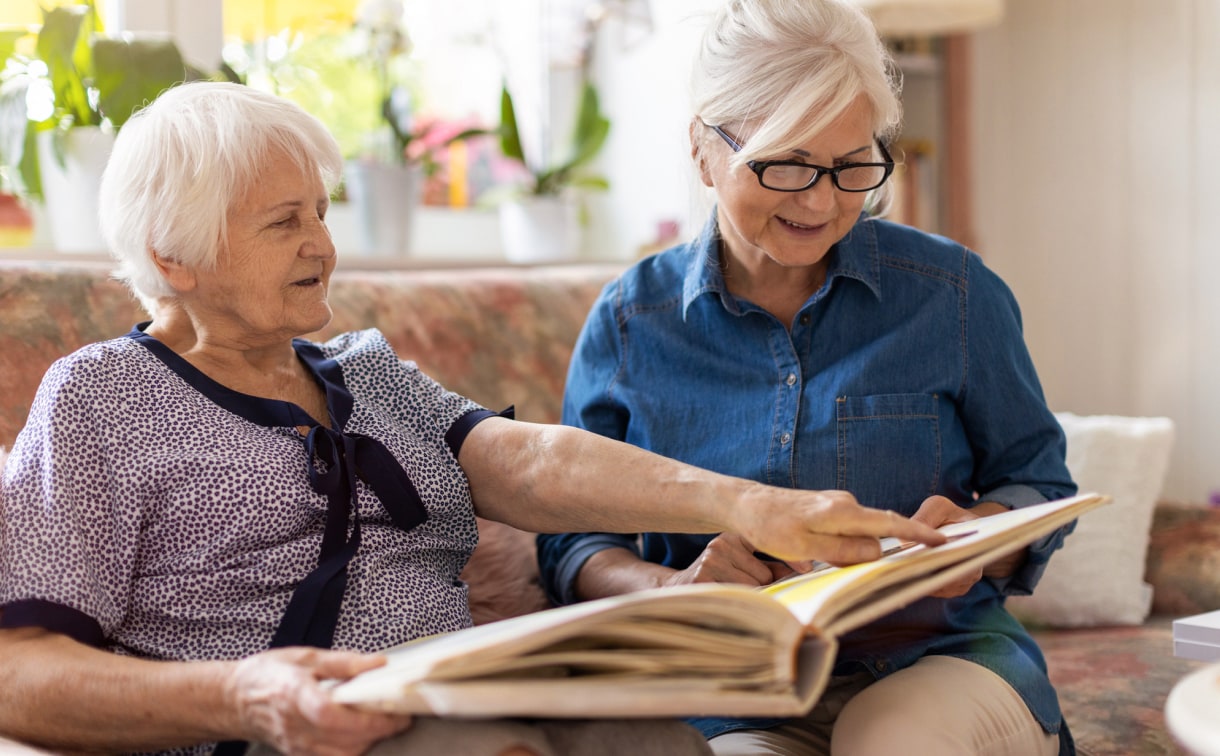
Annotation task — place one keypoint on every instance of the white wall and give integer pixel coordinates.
(1096, 125)
(645, 92)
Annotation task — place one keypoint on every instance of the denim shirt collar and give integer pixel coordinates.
(854, 256)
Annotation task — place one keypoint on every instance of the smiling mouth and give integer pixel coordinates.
(799, 226)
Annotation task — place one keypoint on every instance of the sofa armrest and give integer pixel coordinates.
(1183, 564)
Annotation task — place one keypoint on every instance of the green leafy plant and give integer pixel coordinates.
(588, 136)
(76, 78)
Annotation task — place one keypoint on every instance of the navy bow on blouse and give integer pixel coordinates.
(336, 461)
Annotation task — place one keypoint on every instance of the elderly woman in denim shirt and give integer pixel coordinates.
(802, 342)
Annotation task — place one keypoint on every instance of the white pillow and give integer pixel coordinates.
(1097, 578)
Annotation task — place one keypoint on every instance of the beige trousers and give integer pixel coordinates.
(939, 706)
(441, 737)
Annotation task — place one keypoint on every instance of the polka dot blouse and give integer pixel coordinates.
(149, 510)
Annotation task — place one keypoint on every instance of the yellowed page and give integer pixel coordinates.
(840, 599)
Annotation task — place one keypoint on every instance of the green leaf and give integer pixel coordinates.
(129, 74)
(510, 138)
(588, 137)
(57, 47)
(591, 128)
(470, 134)
(228, 74)
(30, 176)
(590, 182)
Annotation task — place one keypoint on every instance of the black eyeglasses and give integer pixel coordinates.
(795, 176)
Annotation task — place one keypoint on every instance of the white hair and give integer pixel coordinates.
(180, 163)
(790, 68)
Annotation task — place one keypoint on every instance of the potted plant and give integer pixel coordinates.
(383, 185)
(61, 106)
(540, 218)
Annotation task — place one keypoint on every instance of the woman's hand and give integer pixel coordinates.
(828, 525)
(937, 511)
(729, 558)
(280, 702)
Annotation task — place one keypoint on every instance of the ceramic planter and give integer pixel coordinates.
(540, 229)
(383, 198)
(70, 183)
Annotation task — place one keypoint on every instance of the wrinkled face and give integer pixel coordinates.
(790, 229)
(274, 268)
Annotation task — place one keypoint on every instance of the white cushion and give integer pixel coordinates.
(1097, 578)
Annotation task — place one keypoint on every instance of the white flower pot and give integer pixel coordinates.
(70, 187)
(540, 229)
(384, 198)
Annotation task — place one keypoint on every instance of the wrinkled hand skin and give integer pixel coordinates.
(280, 702)
(827, 525)
(938, 510)
(730, 558)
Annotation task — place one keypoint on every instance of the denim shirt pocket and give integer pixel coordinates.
(888, 449)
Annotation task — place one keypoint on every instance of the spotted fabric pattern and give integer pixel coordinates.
(182, 528)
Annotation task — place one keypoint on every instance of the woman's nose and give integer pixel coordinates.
(319, 242)
(821, 195)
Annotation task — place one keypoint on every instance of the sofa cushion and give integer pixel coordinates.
(502, 574)
(50, 310)
(1184, 559)
(1098, 576)
(499, 336)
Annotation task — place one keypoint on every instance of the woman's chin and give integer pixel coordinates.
(316, 321)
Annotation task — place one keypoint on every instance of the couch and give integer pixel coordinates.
(504, 336)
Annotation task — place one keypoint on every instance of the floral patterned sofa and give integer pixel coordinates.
(504, 336)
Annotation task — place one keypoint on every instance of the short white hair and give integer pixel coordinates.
(180, 163)
(790, 68)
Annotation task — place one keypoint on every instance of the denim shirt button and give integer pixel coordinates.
(805, 319)
(791, 379)
(882, 665)
(784, 439)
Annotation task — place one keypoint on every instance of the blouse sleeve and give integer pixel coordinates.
(68, 539)
(384, 382)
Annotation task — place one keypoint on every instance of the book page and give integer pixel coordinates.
(822, 598)
(628, 695)
(707, 635)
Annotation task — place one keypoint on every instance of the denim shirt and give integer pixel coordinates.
(905, 375)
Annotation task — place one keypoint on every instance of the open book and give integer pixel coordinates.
(698, 650)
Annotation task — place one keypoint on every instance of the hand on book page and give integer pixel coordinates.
(838, 599)
(704, 649)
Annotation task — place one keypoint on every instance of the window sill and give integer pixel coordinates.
(443, 238)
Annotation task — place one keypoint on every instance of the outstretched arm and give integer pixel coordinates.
(64, 695)
(551, 478)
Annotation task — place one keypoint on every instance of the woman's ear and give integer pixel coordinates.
(696, 152)
(179, 277)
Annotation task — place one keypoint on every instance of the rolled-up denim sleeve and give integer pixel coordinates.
(1020, 448)
(1038, 553)
(561, 557)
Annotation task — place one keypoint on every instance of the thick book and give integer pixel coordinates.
(697, 650)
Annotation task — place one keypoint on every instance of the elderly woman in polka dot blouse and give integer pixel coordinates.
(197, 513)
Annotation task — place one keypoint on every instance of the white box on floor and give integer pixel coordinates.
(1197, 637)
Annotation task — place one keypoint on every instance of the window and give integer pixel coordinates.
(318, 55)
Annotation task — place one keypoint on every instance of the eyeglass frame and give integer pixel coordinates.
(760, 166)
